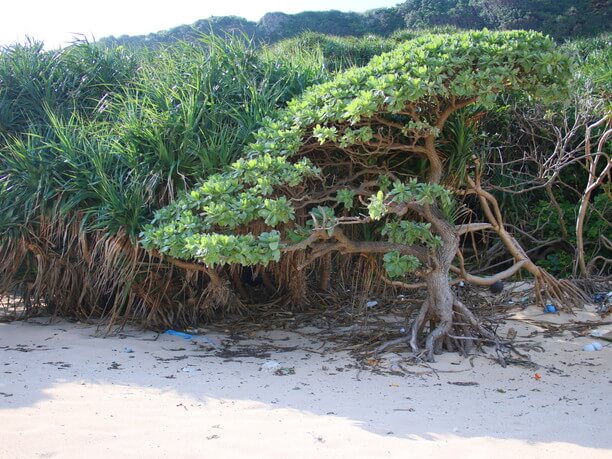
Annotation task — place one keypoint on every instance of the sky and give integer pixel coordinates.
(57, 22)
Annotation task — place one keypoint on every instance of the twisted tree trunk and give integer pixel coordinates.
(437, 309)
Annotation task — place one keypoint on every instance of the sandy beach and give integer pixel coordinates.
(67, 390)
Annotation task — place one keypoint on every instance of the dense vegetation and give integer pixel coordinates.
(339, 157)
(561, 19)
(94, 140)
(168, 185)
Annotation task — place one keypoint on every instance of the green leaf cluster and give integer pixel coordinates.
(346, 198)
(409, 233)
(423, 193)
(397, 265)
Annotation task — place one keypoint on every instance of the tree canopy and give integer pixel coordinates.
(397, 103)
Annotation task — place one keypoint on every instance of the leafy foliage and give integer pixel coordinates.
(35, 82)
(561, 19)
(343, 114)
(338, 52)
(93, 140)
(96, 141)
(130, 139)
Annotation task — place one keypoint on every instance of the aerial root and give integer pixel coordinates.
(219, 295)
(563, 293)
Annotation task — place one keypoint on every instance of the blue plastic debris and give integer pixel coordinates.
(599, 297)
(594, 346)
(179, 334)
(550, 308)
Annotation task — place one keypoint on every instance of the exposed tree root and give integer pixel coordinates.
(456, 330)
(293, 277)
(563, 293)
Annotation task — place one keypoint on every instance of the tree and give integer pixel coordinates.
(347, 154)
(428, 13)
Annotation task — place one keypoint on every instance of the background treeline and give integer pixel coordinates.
(558, 18)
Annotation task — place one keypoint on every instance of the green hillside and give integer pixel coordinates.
(560, 19)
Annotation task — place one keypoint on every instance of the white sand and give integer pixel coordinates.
(63, 399)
